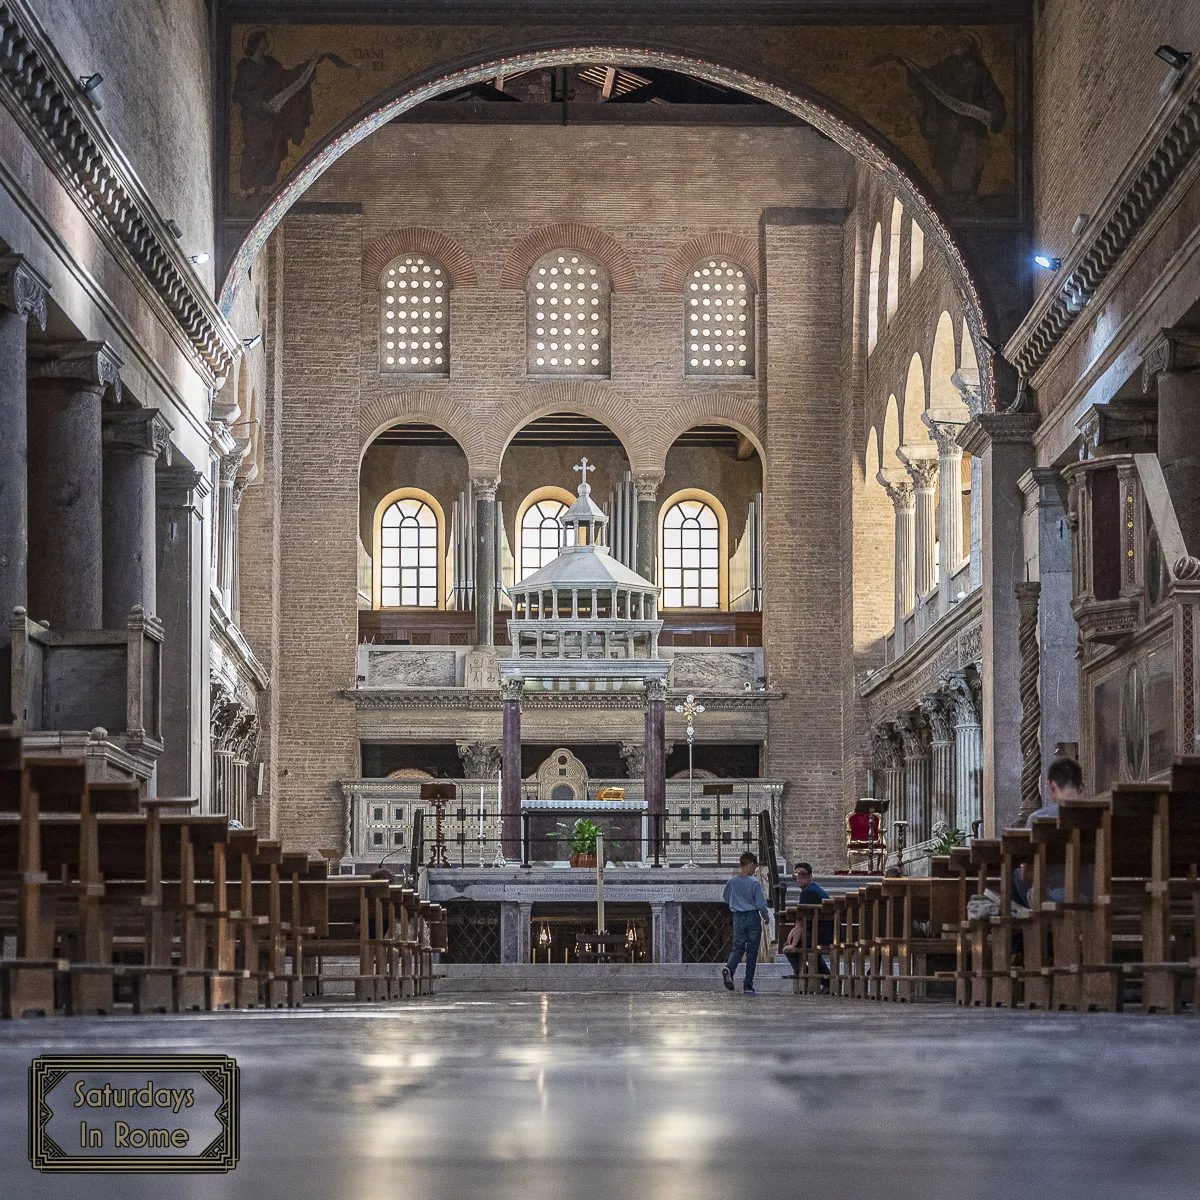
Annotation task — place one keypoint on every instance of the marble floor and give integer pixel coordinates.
(678, 1096)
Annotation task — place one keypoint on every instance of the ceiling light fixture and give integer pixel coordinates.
(251, 342)
(201, 258)
(90, 83)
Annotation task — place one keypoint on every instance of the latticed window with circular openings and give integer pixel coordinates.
(718, 320)
(567, 315)
(414, 317)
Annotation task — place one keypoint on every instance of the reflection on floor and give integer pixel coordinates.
(663, 1097)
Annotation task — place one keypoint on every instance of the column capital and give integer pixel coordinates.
(230, 465)
(647, 484)
(938, 710)
(140, 431)
(91, 365)
(900, 491)
(481, 760)
(962, 696)
(945, 435)
(1040, 485)
(966, 380)
(22, 289)
(511, 687)
(914, 734)
(177, 484)
(995, 428)
(923, 471)
(1173, 349)
(484, 486)
(656, 689)
(885, 748)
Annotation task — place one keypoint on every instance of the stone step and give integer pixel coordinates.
(603, 977)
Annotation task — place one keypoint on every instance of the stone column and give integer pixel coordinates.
(887, 771)
(968, 751)
(181, 496)
(22, 295)
(481, 760)
(1028, 595)
(917, 776)
(1048, 557)
(937, 710)
(967, 382)
(1174, 359)
(647, 484)
(225, 534)
(655, 761)
(1003, 441)
(950, 525)
(510, 751)
(235, 584)
(66, 571)
(133, 441)
(924, 473)
(485, 560)
(904, 504)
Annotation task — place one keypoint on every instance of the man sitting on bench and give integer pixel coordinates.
(1063, 780)
(810, 893)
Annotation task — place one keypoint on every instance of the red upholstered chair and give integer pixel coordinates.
(865, 835)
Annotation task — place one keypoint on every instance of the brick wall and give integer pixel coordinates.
(319, 499)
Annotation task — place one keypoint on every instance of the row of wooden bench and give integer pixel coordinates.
(1112, 913)
(110, 898)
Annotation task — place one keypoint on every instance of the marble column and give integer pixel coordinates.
(1028, 597)
(647, 484)
(887, 776)
(967, 381)
(225, 532)
(918, 771)
(235, 583)
(968, 750)
(1174, 360)
(181, 497)
(950, 524)
(655, 760)
(22, 296)
(938, 713)
(923, 470)
(66, 569)
(133, 441)
(1003, 441)
(510, 752)
(900, 492)
(1048, 562)
(485, 560)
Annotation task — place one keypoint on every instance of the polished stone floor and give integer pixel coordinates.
(683, 1096)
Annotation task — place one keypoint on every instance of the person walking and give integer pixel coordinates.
(748, 903)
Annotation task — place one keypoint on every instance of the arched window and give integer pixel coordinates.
(567, 315)
(541, 534)
(893, 276)
(718, 333)
(873, 290)
(409, 550)
(694, 551)
(414, 317)
(916, 251)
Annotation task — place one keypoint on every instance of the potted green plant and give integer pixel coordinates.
(581, 838)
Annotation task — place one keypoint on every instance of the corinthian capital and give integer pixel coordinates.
(511, 687)
(140, 431)
(922, 469)
(484, 486)
(22, 289)
(647, 484)
(900, 491)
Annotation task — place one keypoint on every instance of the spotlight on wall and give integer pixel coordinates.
(1047, 262)
(175, 228)
(251, 342)
(201, 258)
(90, 84)
(1177, 60)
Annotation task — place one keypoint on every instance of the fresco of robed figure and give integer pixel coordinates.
(276, 103)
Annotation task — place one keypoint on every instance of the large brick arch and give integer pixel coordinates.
(711, 245)
(411, 407)
(570, 236)
(612, 408)
(743, 413)
(416, 240)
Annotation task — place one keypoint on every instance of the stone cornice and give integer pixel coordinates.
(1170, 147)
(233, 642)
(38, 89)
(988, 429)
(479, 700)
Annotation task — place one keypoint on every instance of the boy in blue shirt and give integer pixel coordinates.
(748, 903)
